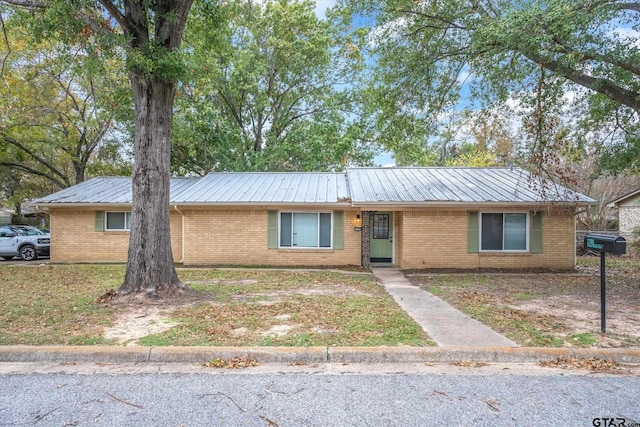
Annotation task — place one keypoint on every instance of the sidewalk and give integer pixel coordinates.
(446, 325)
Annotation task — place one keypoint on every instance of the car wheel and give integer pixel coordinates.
(28, 253)
(8, 258)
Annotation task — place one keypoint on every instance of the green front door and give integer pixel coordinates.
(381, 237)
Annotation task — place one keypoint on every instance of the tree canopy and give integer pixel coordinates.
(271, 87)
(62, 110)
(434, 58)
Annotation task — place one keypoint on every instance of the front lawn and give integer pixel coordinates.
(57, 304)
(549, 309)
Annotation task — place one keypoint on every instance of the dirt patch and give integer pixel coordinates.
(584, 316)
(140, 315)
(136, 323)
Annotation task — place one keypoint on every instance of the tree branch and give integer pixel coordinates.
(26, 3)
(116, 14)
(36, 157)
(436, 18)
(591, 56)
(6, 42)
(32, 171)
(603, 86)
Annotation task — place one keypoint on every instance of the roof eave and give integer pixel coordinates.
(452, 204)
(198, 204)
(615, 203)
(261, 204)
(50, 205)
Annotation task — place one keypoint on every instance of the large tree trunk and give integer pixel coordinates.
(150, 261)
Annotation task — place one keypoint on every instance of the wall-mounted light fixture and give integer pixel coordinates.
(358, 221)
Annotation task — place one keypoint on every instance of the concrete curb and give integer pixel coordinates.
(307, 355)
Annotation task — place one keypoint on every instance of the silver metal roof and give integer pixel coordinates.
(420, 186)
(104, 190)
(358, 187)
(266, 188)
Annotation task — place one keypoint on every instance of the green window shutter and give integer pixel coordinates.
(338, 230)
(99, 220)
(535, 240)
(272, 230)
(473, 232)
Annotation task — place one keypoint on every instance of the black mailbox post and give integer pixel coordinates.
(604, 243)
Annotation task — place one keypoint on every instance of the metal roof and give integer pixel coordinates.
(217, 188)
(439, 185)
(266, 188)
(416, 186)
(104, 190)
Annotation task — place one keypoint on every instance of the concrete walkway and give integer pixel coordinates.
(445, 324)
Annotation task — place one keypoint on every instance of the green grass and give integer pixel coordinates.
(523, 296)
(583, 339)
(54, 305)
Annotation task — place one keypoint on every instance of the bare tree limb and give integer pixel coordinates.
(32, 171)
(600, 85)
(36, 157)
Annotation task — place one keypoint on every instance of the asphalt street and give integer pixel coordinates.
(339, 396)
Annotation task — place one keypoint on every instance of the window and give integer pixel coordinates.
(503, 232)
(118, 221)
(380, 226)
(305, 230)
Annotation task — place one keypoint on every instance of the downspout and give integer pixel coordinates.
(175, 207)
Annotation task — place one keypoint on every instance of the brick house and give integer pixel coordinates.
(412, 217)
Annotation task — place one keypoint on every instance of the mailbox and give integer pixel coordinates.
(604, 243)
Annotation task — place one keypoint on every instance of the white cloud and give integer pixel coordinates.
(322, 6)
(627, 35)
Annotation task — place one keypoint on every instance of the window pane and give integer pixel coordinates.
(515, 232)
(285, 229)
(325, 230)
(305, 230)
(128, 220)
(381, 226)
(116, 221)
(491, 232)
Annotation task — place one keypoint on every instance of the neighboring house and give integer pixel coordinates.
(412, 217)
(5, 216)
(628, 211)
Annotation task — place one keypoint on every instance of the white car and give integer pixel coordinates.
(24, 241)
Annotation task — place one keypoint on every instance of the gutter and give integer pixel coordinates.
(175, 207)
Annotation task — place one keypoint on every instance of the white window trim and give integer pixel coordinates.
(330, 247)
(126, 213)
(500, 251)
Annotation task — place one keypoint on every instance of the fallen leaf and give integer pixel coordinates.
(592, 364)
(493, 404)
(469, 364)
(235, 363)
